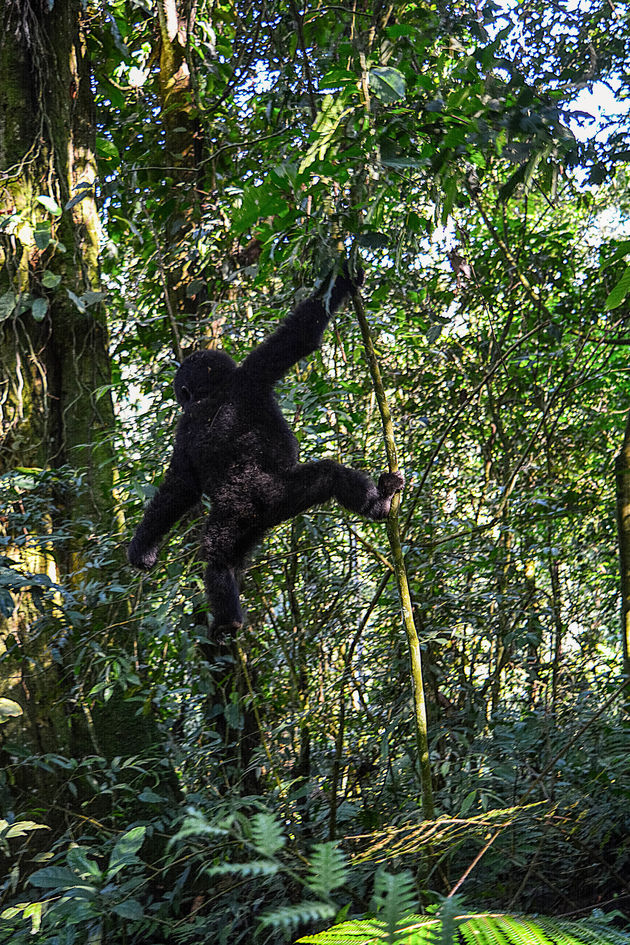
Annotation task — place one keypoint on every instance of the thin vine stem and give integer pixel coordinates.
(400, 571)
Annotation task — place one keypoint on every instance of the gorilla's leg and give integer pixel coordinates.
(226, 544)
(311, 484)
(223, 594)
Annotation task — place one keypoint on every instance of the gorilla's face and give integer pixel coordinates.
(200, 374)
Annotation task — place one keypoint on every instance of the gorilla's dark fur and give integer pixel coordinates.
(234, 445)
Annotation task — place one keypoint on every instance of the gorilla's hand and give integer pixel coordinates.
(389, 483)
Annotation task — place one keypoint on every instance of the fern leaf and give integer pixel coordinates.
(414, 930)
(267, 834)
(289, 917)
(327, 871)
(473, 929)
(253, 868)
(523, 931)
(195, 824)
(588, 932)
(449, 917)
(394, 899)
(355, 932)
(554, 933)
(489, 930)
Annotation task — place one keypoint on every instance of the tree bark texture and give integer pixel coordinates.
(56, 412)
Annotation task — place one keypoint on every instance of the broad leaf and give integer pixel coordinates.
(388, 84)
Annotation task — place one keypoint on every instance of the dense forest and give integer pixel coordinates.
(421, 732)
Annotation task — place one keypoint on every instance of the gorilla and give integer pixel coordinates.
(234, 446)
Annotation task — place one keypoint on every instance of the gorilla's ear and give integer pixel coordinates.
(185, 396)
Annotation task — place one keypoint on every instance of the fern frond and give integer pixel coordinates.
(474, 929)
(394, 899)
(592, 932)
(523, 930)
(253, 868)
(195, 824)
(413, 929)
(267, 834)
(486, 930)
(327, 870)
(448, 919)
(289, 917)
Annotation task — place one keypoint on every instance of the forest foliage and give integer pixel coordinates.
(177, 175)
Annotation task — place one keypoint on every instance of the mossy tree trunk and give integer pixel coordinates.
(182, 155)
(56, 407)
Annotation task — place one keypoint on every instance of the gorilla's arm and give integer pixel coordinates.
(298, 335)
(177, 494)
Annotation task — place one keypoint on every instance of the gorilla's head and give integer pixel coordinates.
(200, 374)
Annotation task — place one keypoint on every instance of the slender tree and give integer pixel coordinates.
(622, 470)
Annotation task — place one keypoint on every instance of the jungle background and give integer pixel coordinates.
(176, 174)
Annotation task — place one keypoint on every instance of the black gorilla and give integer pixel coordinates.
(234, 445)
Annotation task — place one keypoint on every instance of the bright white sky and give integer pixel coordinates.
(602, 102)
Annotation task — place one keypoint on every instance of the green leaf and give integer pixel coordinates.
(42, 236)
(53, 877)
(374, 240)
(623, 249)
(78, 860)
(619, 293)
(51, 205)
(80, 304)
(401, 29)
(150, 797)
(39, 309)
(24, 303)
(106, 149)
(109, 90)
(7, 606)
(50, 280)
(388, 84)
(338, 78)
(506, 191)
(9, 709)
(332, 113)
(20, 828)
(32, 910)
(93, 298)
(130, 909)
(468, 802)
(7, 304)
(124, 853)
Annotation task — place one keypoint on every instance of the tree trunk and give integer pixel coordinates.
(56, 409)
(182, 157)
